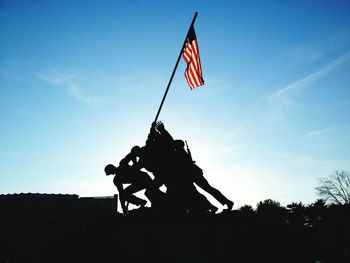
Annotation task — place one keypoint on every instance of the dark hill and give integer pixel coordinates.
(66, 228)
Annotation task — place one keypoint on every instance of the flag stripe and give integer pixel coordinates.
(193, 73)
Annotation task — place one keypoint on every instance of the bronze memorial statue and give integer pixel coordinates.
(172, 166)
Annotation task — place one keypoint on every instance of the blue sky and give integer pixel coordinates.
(81, 82)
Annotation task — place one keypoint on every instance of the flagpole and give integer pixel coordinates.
(174, 70)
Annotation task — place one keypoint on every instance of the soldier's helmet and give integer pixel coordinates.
(110, 169)
(179, 144)
(135, 150)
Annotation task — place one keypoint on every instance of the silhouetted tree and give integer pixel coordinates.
(246, 210)
(271, 209)
(296, 214)
(335, 188)
(315, 212)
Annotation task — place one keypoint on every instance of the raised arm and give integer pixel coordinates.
(164, 133)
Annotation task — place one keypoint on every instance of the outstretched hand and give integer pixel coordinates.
(160, 126)
(153, 126)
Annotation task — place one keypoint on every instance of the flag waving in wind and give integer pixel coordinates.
(189, 51)
(193, 73)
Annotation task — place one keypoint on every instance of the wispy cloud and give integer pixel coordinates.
(279, 101)
(70, 81)
(319, 133)
(299, 55)
(282, 95)
(233, 134)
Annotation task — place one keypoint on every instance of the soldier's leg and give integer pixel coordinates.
(195, 201)
(203, 183)
(205, 203)
(130, 197)
(156, 197)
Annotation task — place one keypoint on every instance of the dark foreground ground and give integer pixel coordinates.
(33, 234)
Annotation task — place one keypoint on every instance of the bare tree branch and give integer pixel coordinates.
(335, 188)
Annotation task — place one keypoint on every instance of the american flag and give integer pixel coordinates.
(193, 73)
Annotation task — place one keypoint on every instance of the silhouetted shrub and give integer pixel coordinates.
(271, 210)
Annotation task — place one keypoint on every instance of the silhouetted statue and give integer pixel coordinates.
(172, 166)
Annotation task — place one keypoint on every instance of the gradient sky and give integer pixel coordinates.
(81, 82)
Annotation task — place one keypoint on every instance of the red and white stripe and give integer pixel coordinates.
(193, 73)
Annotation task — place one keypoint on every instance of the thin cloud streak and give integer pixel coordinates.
(279, 101)
(282, 94)
(69, 81)
(319, 133)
